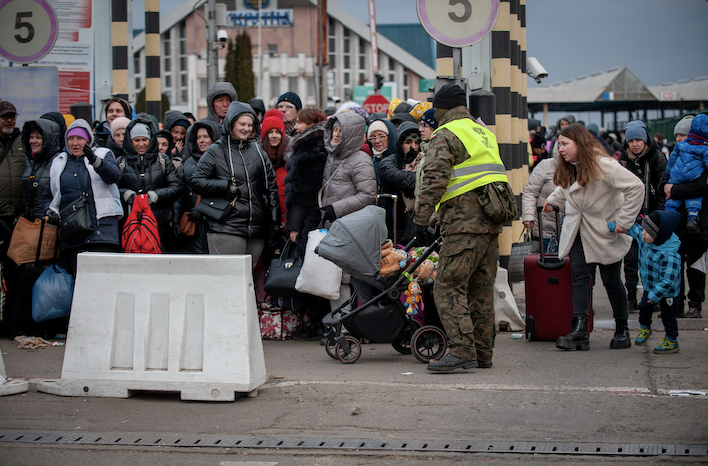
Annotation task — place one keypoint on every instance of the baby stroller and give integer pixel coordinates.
(354, 244)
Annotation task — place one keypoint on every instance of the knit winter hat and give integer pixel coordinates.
(273, 120)
(139, 130)
(419, 109)
(392, 107)
(538, 141)
(429, 118)
(80, 132)
(119, 123)
(449, 96)
(660, 225)
(291, 97)
(569, 118)
(377, 125)
(683, 126)
(636, 130)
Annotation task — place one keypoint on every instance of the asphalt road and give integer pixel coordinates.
(534, 394)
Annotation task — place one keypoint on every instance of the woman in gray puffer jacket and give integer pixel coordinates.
(236, 169)
(538, 188)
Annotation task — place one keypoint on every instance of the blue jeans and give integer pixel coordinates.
(582, 285)
(668, 314)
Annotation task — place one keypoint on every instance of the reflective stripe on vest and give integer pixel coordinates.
(484, 164)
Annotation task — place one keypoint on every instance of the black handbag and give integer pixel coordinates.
(283, 273)
(519, 251)
(216, 209)
(75, 218)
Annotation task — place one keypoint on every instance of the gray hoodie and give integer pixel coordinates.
(216, 90)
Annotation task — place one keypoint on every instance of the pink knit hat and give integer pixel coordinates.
(119, 123)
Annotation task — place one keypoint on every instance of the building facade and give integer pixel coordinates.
(288, 38)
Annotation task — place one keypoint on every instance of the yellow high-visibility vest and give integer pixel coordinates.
(484, 164)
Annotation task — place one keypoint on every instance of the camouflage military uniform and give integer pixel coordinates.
(464, 287)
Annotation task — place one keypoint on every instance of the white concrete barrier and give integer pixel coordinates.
(176, 323)
(11, 386)
(505, 308)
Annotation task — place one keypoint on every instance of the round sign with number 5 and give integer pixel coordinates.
(458, 23)
(28, 30)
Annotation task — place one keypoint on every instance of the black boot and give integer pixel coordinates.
(578, 338)
(621, 338)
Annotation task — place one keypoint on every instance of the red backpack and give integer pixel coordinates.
(140, 234)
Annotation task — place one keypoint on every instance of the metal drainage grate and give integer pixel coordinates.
(456, 446)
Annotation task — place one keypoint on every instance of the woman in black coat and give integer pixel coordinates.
(304, 178)
(41, 140)
(145, 171)
(235, 169)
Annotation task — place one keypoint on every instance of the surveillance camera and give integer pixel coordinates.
(535, 69)
(222, 36)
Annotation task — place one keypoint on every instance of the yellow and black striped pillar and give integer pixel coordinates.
(119, 43)
(153, 97)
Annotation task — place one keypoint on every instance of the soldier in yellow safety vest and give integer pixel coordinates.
(462, 158)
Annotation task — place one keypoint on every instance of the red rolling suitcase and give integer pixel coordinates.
(549, 293)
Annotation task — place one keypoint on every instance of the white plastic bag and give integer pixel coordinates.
(318, 276)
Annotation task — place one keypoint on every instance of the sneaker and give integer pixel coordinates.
(692, 226)
(667, 345)
(644, 333)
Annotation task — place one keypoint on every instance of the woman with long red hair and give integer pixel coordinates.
(595, 189)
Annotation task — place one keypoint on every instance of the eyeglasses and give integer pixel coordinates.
(284, 105)
(9, 116)
(411, 140)
(376, 138)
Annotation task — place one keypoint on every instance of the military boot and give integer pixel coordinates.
(621, 338)
(578, 338)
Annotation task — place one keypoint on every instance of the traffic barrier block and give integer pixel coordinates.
(175, 323)
(11, 386)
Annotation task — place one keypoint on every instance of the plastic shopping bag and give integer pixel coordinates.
(52, 294)
(318, 276)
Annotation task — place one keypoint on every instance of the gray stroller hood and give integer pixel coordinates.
(354, 243)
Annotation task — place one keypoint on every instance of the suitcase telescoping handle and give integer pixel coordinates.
(539, 209)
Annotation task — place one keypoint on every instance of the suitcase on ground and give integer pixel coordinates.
(549, 293)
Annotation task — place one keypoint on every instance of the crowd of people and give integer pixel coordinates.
(245, 180)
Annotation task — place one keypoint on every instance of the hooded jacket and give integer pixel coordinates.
(66, 185)
(170, 119)
(216, 90)
(689, 159)
(303, 181)
(377, 158)
(36, 175)
(648, 167)
(254, 176)
(391, 175)
(57, 118)
(143, 173)
(348, 179)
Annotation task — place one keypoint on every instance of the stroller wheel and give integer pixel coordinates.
(330, 348)
(402, 343)
(350, 352)
(429, 343)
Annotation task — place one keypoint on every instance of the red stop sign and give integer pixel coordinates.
(376, 103)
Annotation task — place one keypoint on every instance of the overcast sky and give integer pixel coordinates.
(659, 41)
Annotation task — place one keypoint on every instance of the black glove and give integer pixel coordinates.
(175, 229)
(423, 236)
(329, 214)
(194, 216)
(276, 240)
(53, 217)
(232, 191)
(88, 153)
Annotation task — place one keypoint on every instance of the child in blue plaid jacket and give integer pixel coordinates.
(660, 271)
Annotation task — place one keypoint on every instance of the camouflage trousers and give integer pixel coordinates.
(464, 294)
